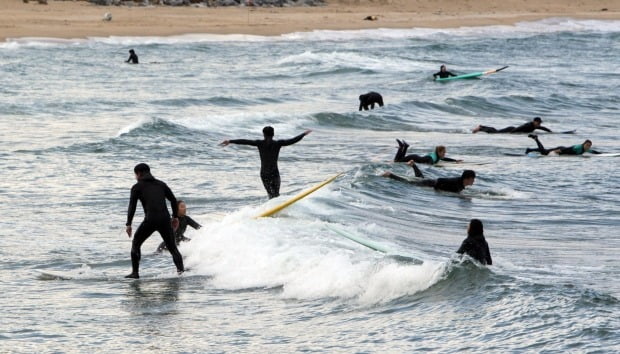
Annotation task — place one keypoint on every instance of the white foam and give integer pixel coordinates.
(302, 257)
(529, 28)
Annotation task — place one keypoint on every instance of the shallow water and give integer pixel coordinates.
(75, 120)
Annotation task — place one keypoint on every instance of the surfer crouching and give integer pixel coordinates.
(369, 99)
(184, 221)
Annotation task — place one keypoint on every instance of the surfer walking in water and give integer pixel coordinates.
(152, 194)
(269, 150)
(475, 245)
(430, 158)
(523, 128)
(578, 149)
(454, 184)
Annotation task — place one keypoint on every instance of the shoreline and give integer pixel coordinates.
(78, 20)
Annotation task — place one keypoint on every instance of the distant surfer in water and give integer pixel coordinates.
(455, 184)
(269, 150)
(184, 221)
(369, 99)
(152, 194)
(133, 58)
(578, 149)
(523, 128)
(475, 244)
(443, 73)
(431, 158)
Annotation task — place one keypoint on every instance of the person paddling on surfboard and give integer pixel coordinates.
(578, 149)
(455, 184)
(269, 149)
(431, 158)
(475, 244)
(152, 194)
(443, 73)
(184, 221)
(523, 128)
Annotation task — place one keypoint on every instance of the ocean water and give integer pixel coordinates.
(75, 119)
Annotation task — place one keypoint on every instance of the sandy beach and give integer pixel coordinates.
(80, 19)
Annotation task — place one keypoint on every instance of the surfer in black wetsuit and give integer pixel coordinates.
(443, 73)
(455, 184)
(133, 58)
(578, 149)
(523, 128)
(269, 150)
(152, 194)
(369, 99)
(430, 158)
(475, 244)
(184, 221)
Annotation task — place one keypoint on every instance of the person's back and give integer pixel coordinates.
(152, 194)
(453, 184)
(475, 245)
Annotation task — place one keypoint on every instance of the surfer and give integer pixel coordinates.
(523, 128)
(443, 73)
(369, 99)
(578, 149)
(184, 221)
(454, 184)
(269, 149)
(475, 244)
(152, 194)
(133, 58)
(430, 158)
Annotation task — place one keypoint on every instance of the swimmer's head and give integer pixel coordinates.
(131, 51)
(475, 228)
(442, 68)
(268, 132)
(587, 145)
(440, 150)
(468, 176)
(182, 208)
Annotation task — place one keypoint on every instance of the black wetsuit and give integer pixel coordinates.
(524, 128)
(443, 74)
(454, 184)
(179, 233)
(152, 194)
(269, 151)
(133, 58)
(477, 248)
(562, 150)
(370, 99)
(431, 158)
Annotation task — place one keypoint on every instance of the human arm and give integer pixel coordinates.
(488, 255)
(389, 174)
(295, 139)
(131, 210)
(450, 74)
(594, 152)
(416, 170)
(192, 223)
(545, 129)
(240, 142)
(450, 160)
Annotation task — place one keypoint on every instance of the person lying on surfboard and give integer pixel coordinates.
(430, 158)
(269, 150)
(578, 149)
(475, 244)
(455, 184)
(443, 73)
(523, 128)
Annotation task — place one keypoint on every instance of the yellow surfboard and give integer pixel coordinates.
(297, 197)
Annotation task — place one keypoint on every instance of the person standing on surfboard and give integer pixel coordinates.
(152, 194)
(269, 150)
(443, 73)
(578, 149)
(455, 184)
(523, 128)
(431, 158)
(475, 244)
